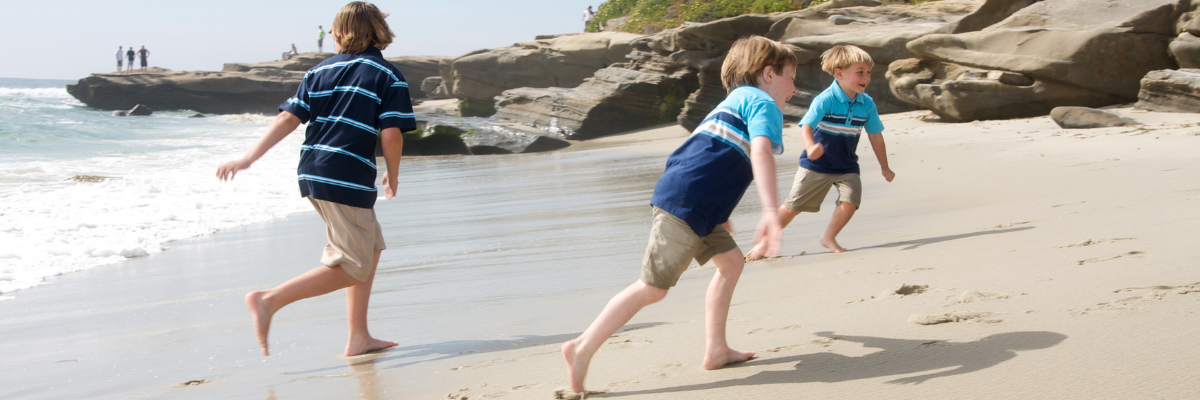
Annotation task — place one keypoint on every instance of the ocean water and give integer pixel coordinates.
(156, 181)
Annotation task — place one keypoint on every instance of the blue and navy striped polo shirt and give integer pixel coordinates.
(706, 177)
(837, 120)
(346, 101)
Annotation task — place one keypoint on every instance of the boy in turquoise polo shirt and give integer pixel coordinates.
(830, 130)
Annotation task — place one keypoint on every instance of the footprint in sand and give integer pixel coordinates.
(760, 330)
(1090, 242)
(1010, 224)
(904, 290)
(1109, 258)
(972, 296)
(953, 316)
(1151, 293)
(564, 394)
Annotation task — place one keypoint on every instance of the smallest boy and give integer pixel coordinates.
(830, 131)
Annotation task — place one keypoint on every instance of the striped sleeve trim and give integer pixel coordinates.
(402, 84)
(343, 120)
(347, 89)
(397, 114)
(321, 147)
(296, 101)
(335, 182)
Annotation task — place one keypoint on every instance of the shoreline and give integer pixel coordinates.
(1064, 255)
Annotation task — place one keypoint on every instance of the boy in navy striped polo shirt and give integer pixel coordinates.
(703, 181)
(830, 130)
(348, 101)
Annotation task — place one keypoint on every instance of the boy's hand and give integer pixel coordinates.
(228, 170)
(888, 174)
(389, 186)
(815, 151)
(769, 234)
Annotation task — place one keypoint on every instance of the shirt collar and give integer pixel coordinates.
(841, 94)
(370, 51)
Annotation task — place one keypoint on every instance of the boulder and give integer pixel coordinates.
(1170, 91)
(1186, 50)
(1075, 53)
(434, 89)
(617, 99)
(435, 140)
(1087, 118)
(416, 69)
(507, 139)
(478, 77)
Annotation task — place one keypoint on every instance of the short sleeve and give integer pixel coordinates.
(874, 125)
(298, 105)
(765, 119)
(815, 112)
(396, 109)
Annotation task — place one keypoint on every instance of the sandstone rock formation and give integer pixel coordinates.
(1186, 47)
(501, 139)
(476, 78)
(1170, 91)
(1048, 54)
(1087, 118)
(620, 98)
(416, 69)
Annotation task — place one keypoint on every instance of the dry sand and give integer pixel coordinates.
(1008, 259)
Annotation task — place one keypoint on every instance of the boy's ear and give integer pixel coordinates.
(768, 74)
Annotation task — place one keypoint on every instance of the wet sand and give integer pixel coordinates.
(1008, 259)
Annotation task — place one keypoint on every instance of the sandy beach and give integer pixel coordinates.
(1007, 260)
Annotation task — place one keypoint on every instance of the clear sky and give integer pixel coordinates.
(51, 39)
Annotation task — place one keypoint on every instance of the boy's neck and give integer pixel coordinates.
(852, 94)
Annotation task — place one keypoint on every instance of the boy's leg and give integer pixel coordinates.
(578, 352)
(317, 281)
(358, 297)
(716, 311)
(841, 216)
(849, 197)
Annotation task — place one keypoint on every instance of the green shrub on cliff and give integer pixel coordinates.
(652, 16)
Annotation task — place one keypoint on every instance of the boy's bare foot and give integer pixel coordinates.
(576, 365)
(721, 358)
(757, 252)
(832, 245)
(261, 316)
(360, 347)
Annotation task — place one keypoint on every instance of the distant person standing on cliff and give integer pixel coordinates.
(129, 54)
(120, 57)
(142, 54)
(588, 14)
(320, 38)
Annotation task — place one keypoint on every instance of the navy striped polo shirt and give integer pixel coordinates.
(837, 120)
(346, 101)
(706, 177)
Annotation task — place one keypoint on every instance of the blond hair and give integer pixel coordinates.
(749, 56)
(359, 25)
(842, 56)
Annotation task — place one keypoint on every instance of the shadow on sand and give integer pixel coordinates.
(912, 244)
(447, 350)
(928, 358)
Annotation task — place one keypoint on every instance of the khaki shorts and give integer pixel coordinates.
(810, 188)
(354, 237)
(673, 245)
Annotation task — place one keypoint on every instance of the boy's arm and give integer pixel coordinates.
(881, 154)
(812, 149)
(393, 146)
(283, 124)
(762, 161)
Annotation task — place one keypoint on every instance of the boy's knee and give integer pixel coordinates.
(652, 294)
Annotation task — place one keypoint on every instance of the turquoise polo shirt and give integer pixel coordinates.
(837, 122)
(707, 175)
